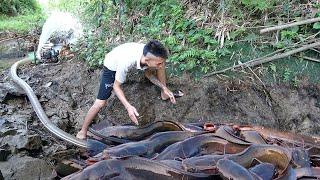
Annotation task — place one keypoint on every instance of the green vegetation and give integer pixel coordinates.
(21, 23)
(226, 34)
(202, 36)
(20, 16)
(73, 6)
(16, 7)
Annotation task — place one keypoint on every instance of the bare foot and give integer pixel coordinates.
(81, 135)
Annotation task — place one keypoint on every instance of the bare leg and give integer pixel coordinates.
(93, 111)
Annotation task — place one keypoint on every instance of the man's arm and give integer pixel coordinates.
(131, 110)
(160, 81)
(156, 80)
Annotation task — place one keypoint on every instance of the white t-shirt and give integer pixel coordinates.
(124, 57)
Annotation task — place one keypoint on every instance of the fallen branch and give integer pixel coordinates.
(284, 26)
(311, 59)
(258, 61)
(286, 54)
(315, 50)
(239, 65)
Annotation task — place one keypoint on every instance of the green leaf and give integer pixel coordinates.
(294, 29)
(251, 37)
(273, 68)
(316, 25)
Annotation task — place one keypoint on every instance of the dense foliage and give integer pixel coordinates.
(20, 16)
(15, 7)
(201, 36)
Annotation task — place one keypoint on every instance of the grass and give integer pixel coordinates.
(21, 23)
(286, 70)
(292, 69)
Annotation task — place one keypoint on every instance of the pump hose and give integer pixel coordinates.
(38, 108)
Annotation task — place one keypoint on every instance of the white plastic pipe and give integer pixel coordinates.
(38, 108)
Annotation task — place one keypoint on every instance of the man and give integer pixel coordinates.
(116, 65)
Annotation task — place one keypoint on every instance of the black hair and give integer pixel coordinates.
(156, 48)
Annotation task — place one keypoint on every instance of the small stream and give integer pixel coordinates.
(14, 48)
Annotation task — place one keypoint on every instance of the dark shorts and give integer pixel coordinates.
(106, 84)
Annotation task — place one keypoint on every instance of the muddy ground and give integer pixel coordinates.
(67, 89)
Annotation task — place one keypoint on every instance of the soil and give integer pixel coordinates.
(68, 89)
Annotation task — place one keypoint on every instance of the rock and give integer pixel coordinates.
(63, 113)
(26, 168)
(3, 108)
(56, 120)
(65, 168)
(23, 141)
(51, 112)
(8, 132)
(1, 176)
(4, 154)
(7, 109)
(47, 84)
(30, 142)
(22, 119)
(2, 123)
(53, 149)
(10, 111)
(43, 98)
(9, 89)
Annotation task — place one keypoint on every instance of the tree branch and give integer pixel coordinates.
(311, 59)
(284, 26)
(258, 61)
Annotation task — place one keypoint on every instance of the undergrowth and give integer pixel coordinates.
(201, 36)
(20, 16)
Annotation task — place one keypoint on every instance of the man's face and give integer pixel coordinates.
(154, 61)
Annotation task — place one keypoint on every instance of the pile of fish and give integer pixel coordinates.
(171, 150)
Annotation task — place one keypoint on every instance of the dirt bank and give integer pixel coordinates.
(67, 90)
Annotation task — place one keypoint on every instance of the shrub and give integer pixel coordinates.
(16, 7)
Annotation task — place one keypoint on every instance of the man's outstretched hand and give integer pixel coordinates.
(82, 134)
(133, 113)
(166, 93)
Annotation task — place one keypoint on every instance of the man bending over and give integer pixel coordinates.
(116, 65)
